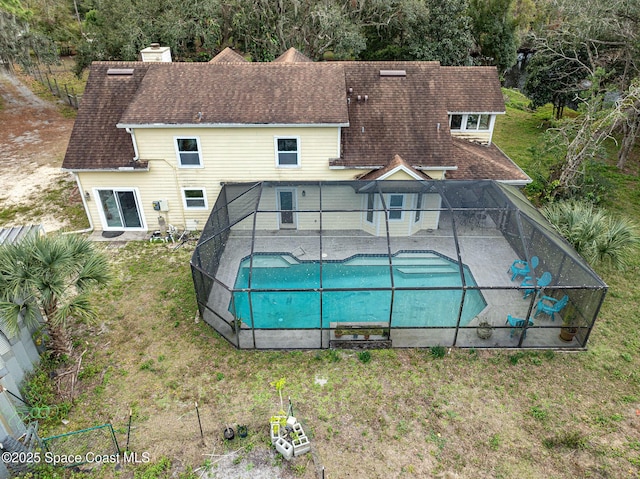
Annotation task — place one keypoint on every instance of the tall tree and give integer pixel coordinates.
(52, 275)
(265, 28)
(119, 29)
(555, 77)
(582, 137)
(444, 35)
(18, 39)
(420, 30)
(494, 30)
(593, 36)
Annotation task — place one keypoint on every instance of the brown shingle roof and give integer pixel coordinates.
(398, 115)
(475, 162)
(240, 93)
(228, 56)
(292, 56)
(472, 89)
(95, 141)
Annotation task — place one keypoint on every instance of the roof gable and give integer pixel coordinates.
(396, 167)
(292, 56)
(228, 56)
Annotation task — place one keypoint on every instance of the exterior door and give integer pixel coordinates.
(287, 207)
(120, 209)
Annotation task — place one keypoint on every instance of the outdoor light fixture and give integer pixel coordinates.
(87, 195)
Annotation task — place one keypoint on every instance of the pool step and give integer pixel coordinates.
(398, 261)
(272, 261)
(430, 270)
(290, 259)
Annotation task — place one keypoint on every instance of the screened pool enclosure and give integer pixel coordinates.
(390, 264)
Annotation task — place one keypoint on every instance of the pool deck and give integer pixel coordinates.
(482, 248)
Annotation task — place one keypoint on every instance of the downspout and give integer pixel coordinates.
(86, 210)
(136, 156)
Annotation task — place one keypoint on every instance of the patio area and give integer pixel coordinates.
(477, 237)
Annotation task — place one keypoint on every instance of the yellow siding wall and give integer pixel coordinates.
(338, 198)
(334, 198)
(241, 155)
(400, 175)
(229, 155)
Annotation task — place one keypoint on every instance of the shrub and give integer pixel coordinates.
(364, 356)
(438, 351)
(599, 237)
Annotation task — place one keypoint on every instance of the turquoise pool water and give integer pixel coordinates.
(284, 308)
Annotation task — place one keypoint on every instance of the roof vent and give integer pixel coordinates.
(120, 71)
(393, 73)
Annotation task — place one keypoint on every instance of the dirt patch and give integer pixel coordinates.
(33, 140)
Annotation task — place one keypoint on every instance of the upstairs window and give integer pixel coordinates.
(470, 122)
(188, 151)
(288, 152)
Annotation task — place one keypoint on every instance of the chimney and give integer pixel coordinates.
(156, 53)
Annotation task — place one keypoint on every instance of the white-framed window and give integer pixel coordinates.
(194, 198)
(418, 208)
(188, 152)
(287, 151)
(470, 122)
(396, 205)
(370, 205)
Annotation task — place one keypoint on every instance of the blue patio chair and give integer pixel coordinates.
(544, 280)
(521, 268)
(516, 324)
(550, 306)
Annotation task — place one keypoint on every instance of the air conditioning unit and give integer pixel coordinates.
(161, 205)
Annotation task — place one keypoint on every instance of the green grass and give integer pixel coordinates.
(467, 412)
(520, 129)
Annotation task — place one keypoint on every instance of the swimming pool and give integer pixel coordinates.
(285, 291)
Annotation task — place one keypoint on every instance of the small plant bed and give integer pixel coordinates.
(287, 434)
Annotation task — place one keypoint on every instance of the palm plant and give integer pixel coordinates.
(599, 237)
(49, 277)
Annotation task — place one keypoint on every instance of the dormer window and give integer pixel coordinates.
(470, 122)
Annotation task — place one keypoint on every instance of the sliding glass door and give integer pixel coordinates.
(120, 209)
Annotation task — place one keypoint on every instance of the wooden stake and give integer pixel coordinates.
(129, 430)
(199, 422)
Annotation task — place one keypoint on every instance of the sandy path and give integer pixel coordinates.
(33, 139)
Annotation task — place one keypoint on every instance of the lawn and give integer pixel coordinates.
(403, 413)
(395, 413)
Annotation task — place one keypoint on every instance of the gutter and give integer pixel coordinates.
(127, 169)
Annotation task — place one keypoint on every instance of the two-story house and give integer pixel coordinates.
(155, 140)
